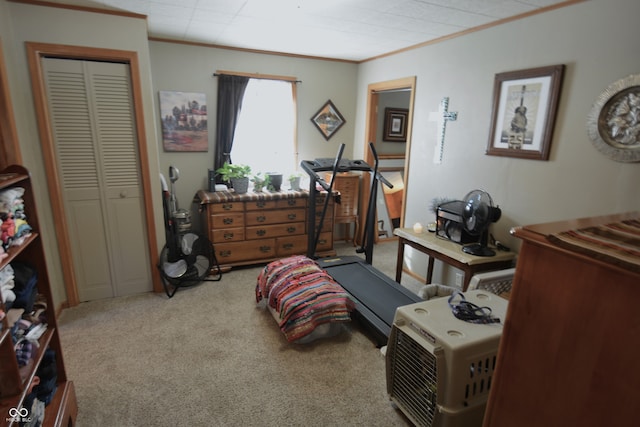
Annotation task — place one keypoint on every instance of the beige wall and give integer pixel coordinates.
(596, 40)
(28, 23)
(392, 99)
(185, 68)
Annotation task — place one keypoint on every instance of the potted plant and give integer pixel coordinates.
(237, 175)
(260, 182)
(275, 180)
(294, 181)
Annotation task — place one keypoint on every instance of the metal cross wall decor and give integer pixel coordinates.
(443, 117)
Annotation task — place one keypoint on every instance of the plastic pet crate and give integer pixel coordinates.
(439, 368)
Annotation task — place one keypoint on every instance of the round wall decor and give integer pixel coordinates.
(614, 121)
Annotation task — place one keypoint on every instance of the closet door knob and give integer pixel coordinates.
(123, 194)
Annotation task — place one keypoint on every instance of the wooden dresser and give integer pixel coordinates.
(346, 212)
(568, 354)
(256, 228)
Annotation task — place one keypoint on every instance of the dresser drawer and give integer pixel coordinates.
(228, 220)
(291, 245)
(291, 203)
(222, 235)
(227, 253)
(275, 216)
(328, 218)
(275, 230)
(226, 207)
(260, 204)
(325, 242)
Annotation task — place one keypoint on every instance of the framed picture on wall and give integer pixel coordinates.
(395, 125)
(184, 121)
(524, 111)
(328, 120)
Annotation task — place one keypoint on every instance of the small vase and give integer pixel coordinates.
(240, 185)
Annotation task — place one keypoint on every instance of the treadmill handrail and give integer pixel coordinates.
(313, 174)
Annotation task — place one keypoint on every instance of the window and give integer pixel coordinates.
(265, 133)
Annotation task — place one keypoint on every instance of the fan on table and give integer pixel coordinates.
(478, 214)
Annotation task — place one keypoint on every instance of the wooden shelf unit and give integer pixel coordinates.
(346, 212)
(15, 381)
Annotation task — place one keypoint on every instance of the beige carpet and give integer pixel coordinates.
(210, 356)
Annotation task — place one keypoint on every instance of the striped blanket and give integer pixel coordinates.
(617, 243)
(303, 295)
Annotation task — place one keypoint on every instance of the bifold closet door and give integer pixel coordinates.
(93, 123)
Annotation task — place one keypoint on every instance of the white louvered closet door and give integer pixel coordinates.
(93, 122)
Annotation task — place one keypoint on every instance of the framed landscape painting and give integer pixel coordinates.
(184, 121)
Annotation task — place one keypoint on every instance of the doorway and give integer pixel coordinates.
(394, 157)
(113, 203)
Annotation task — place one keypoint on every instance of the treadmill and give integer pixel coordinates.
(376, 296)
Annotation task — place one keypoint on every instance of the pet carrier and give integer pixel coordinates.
(188, 257)
(439, 368)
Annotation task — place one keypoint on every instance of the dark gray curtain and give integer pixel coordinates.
(230, 93)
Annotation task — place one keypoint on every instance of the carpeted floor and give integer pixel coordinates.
(210, 356)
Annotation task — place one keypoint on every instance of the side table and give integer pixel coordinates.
(449, 253)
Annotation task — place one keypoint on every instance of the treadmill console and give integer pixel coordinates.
(345, 165)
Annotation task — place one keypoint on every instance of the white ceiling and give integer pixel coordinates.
(341, 29)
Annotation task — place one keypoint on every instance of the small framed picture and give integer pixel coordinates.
(395, 125)
(328, 120)
(524, 112)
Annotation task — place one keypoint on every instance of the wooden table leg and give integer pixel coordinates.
(430, 270)
(467, 279)
(400, 260)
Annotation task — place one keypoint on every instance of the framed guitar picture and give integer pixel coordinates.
(524, 112)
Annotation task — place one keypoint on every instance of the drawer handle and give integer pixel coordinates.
(291, 230)
(291, 202)
(322, 241)
(227, 221)
(225, 254)
(261, 232)
(260, 204)
(265, 249)
(288, 246)
(228, 236)
(292, 216)
(261, 218)
(227, 206)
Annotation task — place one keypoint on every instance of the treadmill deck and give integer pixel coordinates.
(376, 295)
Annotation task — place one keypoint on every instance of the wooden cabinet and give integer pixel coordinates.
(568, 354)
(17, 380)
(346, 212)
(260, 227)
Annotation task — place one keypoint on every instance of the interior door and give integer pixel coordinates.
(399, 160)
(92, 120)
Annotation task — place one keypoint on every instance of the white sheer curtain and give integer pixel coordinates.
(264, 136)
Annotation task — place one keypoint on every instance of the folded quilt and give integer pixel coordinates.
(303, 295)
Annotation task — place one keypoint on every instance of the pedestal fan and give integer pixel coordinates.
(478, 214)
(187, 257)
